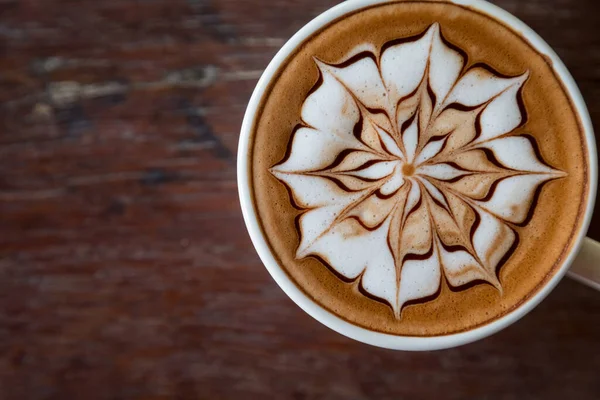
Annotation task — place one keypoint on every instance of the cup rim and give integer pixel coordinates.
(386, 340)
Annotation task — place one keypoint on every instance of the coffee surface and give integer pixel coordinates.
(418, 168)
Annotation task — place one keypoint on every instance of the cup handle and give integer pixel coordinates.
(586, 267)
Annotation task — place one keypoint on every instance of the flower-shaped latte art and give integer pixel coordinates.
(408, 170)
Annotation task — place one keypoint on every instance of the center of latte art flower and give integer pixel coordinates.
(412, 166)
(408, 170)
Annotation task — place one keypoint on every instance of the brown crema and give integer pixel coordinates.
(551, 120)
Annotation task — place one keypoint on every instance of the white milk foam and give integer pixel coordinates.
(385, 169)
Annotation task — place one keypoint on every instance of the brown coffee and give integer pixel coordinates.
(418, 168)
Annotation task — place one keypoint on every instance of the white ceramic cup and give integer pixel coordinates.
(584, 265)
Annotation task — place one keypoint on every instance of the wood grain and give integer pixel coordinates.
(125, 268)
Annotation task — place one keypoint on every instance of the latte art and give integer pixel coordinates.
(407, 169)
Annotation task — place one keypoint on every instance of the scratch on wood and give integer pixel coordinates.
(262, 41)
(41, 112)
(50, 64)
(199, 76)
(68, 92)
(11, 33)
(242, 75)
(205, 135)
(65, 93)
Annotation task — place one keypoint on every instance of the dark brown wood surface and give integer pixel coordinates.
(125, 268)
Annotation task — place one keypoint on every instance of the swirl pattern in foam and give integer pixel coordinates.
(408, 171)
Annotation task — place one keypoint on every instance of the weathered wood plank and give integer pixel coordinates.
(125, 268)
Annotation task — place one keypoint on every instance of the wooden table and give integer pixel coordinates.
(125, 268)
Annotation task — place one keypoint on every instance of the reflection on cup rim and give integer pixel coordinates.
(334, 322)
